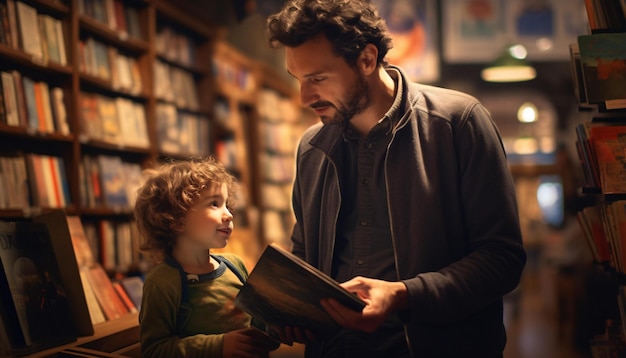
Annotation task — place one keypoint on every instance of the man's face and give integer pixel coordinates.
(331, 87)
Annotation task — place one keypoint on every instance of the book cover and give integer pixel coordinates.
(47, 107)
(284, 290)
(21, 100)
(48, 179)
(39, 105)
(113, 181)
(139, 120)
(51, 39)
(107, 110)
(10, 99)
(609, 147)
(66, 241)
(60, 40)
(57, 186)
(31, 105)
(63, 183)
(12, 13)
(132, 22)
(38, 191)
(124, 297)
(103, 289)
(29, 31)
(133, 285)
(42, 36)
(95, 312)
(603, 58)
(59, 111)
(167, 128)
(36, 286)
(108, 249)
(91, 125)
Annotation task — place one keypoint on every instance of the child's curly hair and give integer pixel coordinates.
(167, 194)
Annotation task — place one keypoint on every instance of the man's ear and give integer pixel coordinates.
(367, 61)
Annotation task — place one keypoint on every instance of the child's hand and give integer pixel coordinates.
(247, 343)
(289, 335)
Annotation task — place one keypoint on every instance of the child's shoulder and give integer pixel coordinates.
(162, 274)
(234, 259)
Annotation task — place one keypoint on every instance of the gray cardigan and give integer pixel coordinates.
(453, 216)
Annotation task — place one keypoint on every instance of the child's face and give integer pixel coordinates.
(209, 223)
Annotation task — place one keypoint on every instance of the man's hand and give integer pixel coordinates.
(382, 298)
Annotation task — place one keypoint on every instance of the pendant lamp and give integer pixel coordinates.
(511, 66)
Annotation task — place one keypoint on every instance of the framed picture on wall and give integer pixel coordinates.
(477, 31)
(473, 30)
(412, 25)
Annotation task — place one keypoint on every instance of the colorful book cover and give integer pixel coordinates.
(66, 239)
(134, 288)
(103, 289)
(609, 146)
(284, 290)
(113, 181)
(603, 58)
(31, 104)
(38, 292)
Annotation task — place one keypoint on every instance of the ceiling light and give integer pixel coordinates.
(527, 113)
(511, 66)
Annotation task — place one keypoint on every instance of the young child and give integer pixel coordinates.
(182, 212)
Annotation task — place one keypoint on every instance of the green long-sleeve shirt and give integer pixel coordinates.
(213, 312)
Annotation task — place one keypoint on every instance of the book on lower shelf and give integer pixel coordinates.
(609, 148)
(284, 290)
(110, 302)
(133, 285)
(35, 303)
(71, 251)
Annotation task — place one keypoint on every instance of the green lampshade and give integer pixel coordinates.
(511, 66)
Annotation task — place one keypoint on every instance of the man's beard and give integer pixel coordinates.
(357, 100)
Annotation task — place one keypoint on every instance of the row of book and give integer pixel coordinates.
(114, 244)
(53, 289)
(598, 62)
(107, 181)
(231, 73)
(32, 104)
(275, 108)
(118, 120)
(114, 14)
(39, 35)
(105, 62)
(604, 227)
(33, 180)
(175, 85)
(277, 168)
(175, 46)
(180, 132)
(40, 181)
(106, 299)
(606, 14)
(601, 147)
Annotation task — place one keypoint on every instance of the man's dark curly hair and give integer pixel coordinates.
(348, 24)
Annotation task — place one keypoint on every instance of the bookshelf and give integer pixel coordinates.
(121, 84)
(596, 60)
(281, 124)
(91, 97)
(235, 113)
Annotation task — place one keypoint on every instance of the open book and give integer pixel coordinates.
(284, 290)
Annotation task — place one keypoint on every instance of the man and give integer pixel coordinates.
(402, 193)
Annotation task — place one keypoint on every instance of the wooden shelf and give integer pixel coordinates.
(120, 335)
